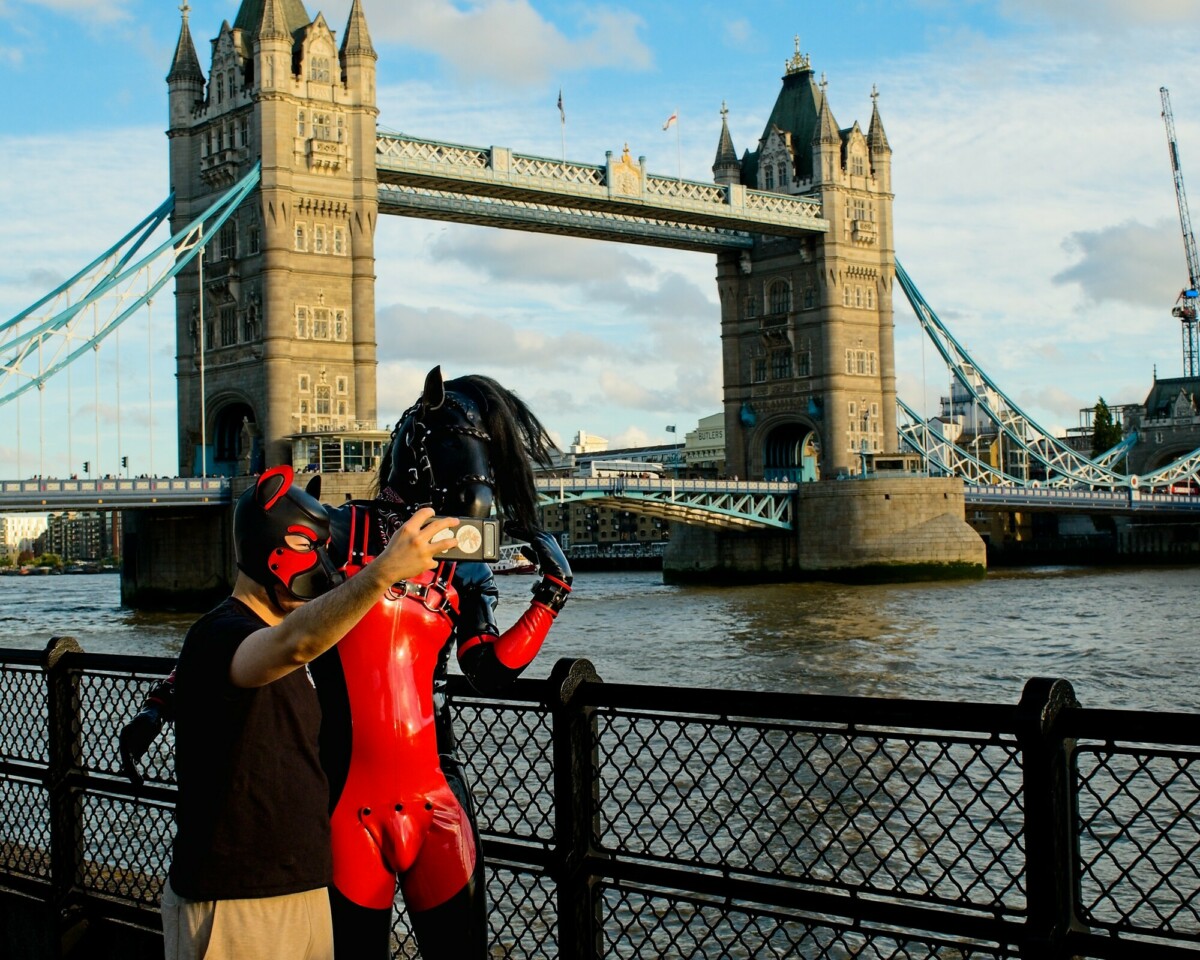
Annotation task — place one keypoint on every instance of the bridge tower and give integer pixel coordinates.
(282, 341)
(806, 324)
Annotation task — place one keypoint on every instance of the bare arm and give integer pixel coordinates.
(313, 627)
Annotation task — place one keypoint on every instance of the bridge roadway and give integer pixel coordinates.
(719, 503)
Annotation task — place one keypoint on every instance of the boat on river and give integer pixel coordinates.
(512, 560)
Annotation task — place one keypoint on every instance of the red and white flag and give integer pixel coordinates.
(670, 120)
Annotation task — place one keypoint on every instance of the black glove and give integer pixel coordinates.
(137, 735)
(543, 550)
(554, 587)
(135, 740)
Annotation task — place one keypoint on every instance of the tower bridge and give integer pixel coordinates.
(275, 303)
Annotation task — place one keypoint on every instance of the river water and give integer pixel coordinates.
(1125, 638)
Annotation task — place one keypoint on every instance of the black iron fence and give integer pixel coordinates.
(647, 822)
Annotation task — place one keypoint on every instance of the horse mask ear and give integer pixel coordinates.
(434, 394)
(314, 487)
(271, 485)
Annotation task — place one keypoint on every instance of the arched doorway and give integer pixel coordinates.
(792, 452)
(236, 450)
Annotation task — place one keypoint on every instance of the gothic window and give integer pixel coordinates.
(341, 133)
(339, 241)
(301, 237)
(321, 126)
(228, 325)
(342, 385)
(340, 326)
(214, 139)
(780, 295)
(226, 136)
(319, 238)
(244, 131)
(769, 178)
(301, 128)
(781, 364)
(251, 324)
(760, 369)
(858, 296)
(853, 409)
(229, 241)
(210, 332)
(319, 70)
(860, 208)
(324, 401)
(869, 299)
(783, 177)
(857, 166)
(220, 87)
(860, 362)
(341, 408)
(302, 323)
(253, 239)
(873, 359)
(320, 329)
(304, 406)
(302, 383)
(849, 361)
(810, 298)
(846, 294)
(804, 363)
(751, 306)
(874, 410)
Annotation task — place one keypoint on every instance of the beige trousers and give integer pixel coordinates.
(292, 927)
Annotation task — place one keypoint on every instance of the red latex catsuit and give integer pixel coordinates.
(397, 815)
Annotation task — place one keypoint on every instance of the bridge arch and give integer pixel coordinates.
(235, 443)
(791, 451)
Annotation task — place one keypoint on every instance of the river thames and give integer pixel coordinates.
(1125, 638)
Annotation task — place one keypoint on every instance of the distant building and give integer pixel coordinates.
(20, 533)
(83, 536)
(1167, 423)
(704, 447)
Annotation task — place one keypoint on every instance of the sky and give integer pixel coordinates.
(1034, 200)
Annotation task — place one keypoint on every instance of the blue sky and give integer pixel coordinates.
(1034, 202)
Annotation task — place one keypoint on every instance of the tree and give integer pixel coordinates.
(1105, 433)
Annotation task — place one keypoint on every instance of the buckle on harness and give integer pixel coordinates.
(431, 595)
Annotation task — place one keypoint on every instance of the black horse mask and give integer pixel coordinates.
(465, 448)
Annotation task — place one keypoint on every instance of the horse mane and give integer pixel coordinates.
(518, 440)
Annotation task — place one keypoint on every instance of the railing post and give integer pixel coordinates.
(576, 809)
(63, 738)
(1051, 819)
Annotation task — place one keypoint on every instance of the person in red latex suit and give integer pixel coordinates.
(401, 808)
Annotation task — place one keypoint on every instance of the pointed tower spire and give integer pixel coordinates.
(827, 129)
(185, 65)
(876, 138)
(726, 168)
(356, 41)
(274, 24)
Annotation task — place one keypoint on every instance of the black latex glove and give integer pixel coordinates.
(136, 737)
(543, 550)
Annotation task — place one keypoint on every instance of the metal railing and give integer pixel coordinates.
(639, 822)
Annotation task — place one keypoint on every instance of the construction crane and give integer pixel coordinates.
(1185, 306)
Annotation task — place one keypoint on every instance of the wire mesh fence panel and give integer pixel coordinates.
(647, 924)
(24, 829)
(929, 817)
(505, 749)
(23, 734)
(126, 848)
(1139, 815)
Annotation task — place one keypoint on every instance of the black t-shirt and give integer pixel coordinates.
(252, 813)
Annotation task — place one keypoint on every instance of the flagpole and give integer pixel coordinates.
(562, 125)
(678, 152)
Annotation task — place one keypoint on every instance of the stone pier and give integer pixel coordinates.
(865, 530)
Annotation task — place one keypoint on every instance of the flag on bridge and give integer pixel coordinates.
(671, 428)
(671, 119)
(562, 117)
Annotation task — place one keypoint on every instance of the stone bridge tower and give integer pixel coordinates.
(806, 324)
(283, 339)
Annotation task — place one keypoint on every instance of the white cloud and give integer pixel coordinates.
(509, 43)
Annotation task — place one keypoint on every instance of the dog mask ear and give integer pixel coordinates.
(272, 485)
